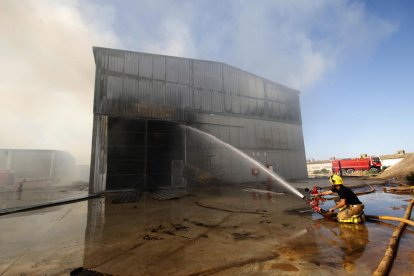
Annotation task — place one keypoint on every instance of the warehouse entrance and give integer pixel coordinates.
(144, 154)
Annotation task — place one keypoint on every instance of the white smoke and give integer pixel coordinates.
(47, 70)
(47, 74)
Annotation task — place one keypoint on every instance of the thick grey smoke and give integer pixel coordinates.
(47, 75)
(47, 70)
(295, 43)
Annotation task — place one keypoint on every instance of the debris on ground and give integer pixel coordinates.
(81, 271)
(399, 190)
(169, 193)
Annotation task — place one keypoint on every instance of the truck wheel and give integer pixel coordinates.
(350, 171)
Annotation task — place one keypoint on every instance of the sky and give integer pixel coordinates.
(352, 61)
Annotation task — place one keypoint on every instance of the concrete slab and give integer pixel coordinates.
(214, 231)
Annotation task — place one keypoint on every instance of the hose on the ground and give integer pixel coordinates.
(388, 258)
(407, 221)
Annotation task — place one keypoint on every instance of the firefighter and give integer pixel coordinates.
(350, 208)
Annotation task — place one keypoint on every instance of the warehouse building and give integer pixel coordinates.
(147, 106)
(54, 166)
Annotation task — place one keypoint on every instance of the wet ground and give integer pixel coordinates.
(11, 197)
(213, 231)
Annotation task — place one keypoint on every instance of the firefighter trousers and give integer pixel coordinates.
(350, 211)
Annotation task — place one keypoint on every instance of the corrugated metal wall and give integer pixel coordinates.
(256, 115)
(162, 87)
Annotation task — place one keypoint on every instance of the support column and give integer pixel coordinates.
(99, 160)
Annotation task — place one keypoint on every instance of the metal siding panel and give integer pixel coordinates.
(178, 70)
(260, 136)
(213, 130)
(270, 110)
(186, 96)
(131, 64)
(131, 89)
(259, 88)
(292, 164)
(225, 163)
(268, 133)
(158, 93)
(251, 133)
(114, 87)
(276, 136)
(116, 63)
(244, 140)
(283, 111)
(272, 92)
(158, 68)
(235, 104)
(243, 83)
(217, 101)
(171, 94)
(225, 134)
(145, 91)
(236, 169)
(235, 136)
(228, 103)
(231, 82)
(283, 136)
(274, 110)
(208, 75)
(289, 135)
(260, 108)
(197, 99)
(284, 163)
(283, 96)
(145, 66)
(105, 62)
(300, 138)
(205, 73)
(206, 100)
(251, 86)
(294, 112)
(244, 106)
(253, 107)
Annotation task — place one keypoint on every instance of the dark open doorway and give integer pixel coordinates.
(142, 153)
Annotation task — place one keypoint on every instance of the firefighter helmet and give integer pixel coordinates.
(336, 179)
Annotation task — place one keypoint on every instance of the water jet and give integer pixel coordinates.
(273, 175)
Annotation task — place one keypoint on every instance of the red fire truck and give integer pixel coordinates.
(356, 164)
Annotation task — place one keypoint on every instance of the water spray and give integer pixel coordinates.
(255, 162)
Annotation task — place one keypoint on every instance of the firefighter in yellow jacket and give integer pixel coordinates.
(350, 208)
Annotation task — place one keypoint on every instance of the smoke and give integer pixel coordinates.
(296, 43)
(48, 69)
(48, 74)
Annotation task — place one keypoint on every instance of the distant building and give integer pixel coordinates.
(392, 159)
(316, 167)
(142, 100)
(37, 165)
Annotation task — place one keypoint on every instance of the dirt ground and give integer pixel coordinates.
(215, 230)
(401, 169)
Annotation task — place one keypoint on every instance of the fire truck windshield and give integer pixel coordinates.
(375, 159)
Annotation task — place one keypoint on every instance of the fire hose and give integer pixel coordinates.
(385, 264)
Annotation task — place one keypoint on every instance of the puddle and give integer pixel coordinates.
(230, 233)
